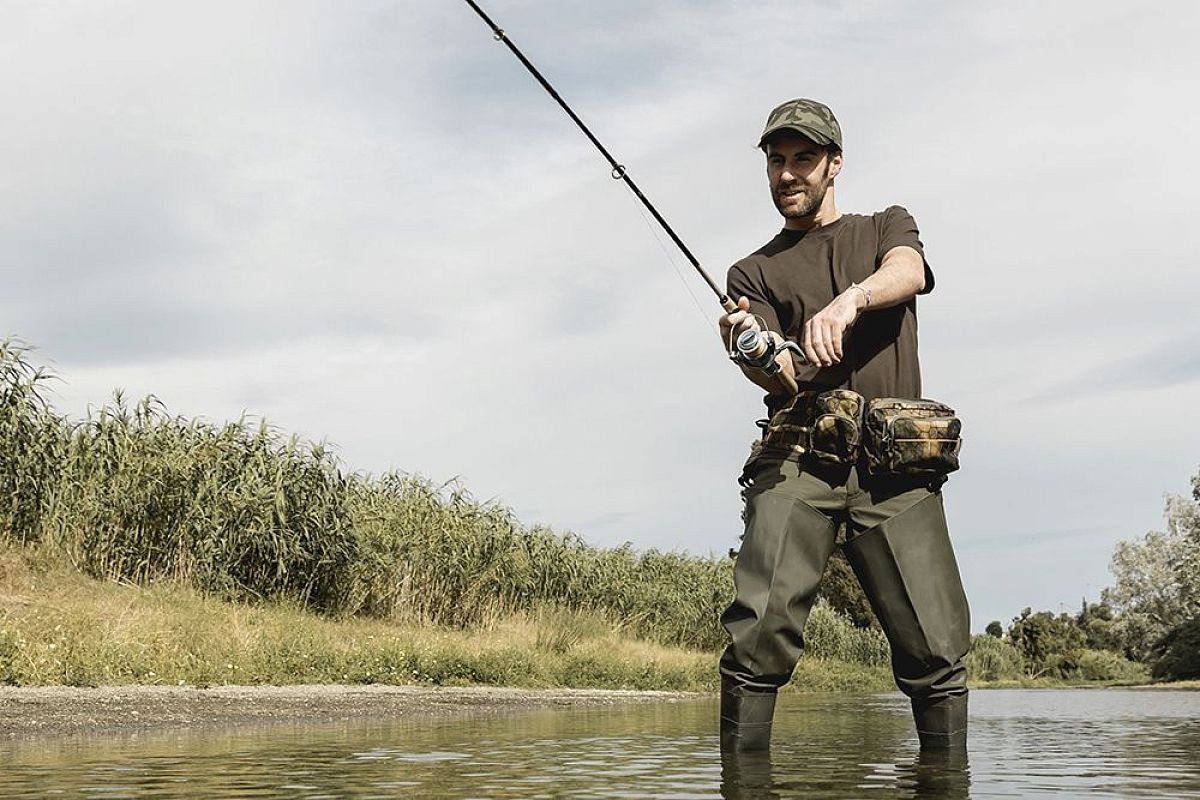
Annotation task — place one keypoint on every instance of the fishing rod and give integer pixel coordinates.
(753, 346)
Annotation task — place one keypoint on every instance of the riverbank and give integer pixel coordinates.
(66, 710)
(61, 628)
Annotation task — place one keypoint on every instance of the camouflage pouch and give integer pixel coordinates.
(826, 426)
(836, 432)
(786, 433)
(915, 438)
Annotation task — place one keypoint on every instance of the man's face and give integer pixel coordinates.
(799, 171)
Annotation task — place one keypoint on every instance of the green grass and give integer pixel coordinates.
(58, 626)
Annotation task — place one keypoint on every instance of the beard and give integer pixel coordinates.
(805, 204)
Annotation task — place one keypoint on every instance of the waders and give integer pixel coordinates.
(900, 550)
(907, 569)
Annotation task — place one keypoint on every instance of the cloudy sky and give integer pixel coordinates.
(367, 223)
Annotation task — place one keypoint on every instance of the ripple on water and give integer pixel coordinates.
(1063, 744)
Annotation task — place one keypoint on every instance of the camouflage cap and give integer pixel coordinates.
(807, 117)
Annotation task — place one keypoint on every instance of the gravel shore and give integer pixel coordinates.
(57, 710)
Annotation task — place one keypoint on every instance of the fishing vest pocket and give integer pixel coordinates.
(825, 425)
(914, 438)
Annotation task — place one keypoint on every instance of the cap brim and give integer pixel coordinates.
(807, 133)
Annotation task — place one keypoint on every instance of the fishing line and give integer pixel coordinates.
(618, 170)
(754, 347)
(708, 323)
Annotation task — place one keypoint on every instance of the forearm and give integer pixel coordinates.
(900, 276)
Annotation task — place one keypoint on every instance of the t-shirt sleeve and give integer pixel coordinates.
(745, 280)
(898, 228)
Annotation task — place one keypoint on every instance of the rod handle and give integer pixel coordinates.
(756, 348)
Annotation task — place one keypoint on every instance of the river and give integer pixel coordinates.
(1044, 743)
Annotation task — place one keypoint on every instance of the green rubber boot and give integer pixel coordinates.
(745, 719)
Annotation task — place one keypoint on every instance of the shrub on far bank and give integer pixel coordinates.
(992, 659)
(1179, 653)
(1105, 665)
(832, 635)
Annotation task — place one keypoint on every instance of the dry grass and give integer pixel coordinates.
(60, 627)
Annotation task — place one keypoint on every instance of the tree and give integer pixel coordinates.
(1048, 643)
(994, 629)
(1157, 578)
(1178, 654)
(1100, 626)
(1185, 515)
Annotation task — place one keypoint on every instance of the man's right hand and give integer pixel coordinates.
(732, 325)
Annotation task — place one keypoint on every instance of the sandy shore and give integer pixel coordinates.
(56, 710)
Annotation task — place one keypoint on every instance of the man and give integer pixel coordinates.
(842, 287)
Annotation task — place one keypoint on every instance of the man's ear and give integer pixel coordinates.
(835, 164)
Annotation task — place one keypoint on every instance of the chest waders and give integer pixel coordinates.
(899, 548)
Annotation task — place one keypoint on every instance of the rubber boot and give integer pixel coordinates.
(941, 723)
(907, 568)
(745, 719)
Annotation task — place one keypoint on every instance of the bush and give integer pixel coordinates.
(992, 659)
(1047, 642)
(1105, 665)
(831, 635)
(1179, 653)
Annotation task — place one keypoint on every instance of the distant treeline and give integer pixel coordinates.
(239, 510)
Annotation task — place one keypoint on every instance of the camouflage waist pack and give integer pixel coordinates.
(826, 426)
(911, 437)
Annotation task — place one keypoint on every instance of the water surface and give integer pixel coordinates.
(1071, 743)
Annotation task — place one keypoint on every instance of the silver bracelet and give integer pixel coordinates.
(866, 293)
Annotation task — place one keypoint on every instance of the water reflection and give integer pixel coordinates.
(1023, 744)
(748, 776)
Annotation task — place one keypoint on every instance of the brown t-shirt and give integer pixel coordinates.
(798, 273)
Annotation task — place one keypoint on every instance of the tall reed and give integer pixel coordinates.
(135, 494)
